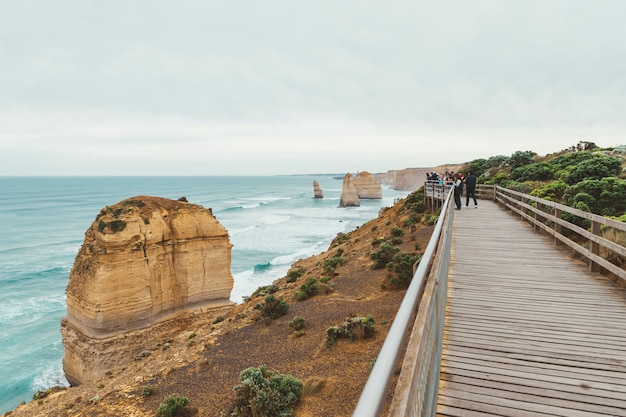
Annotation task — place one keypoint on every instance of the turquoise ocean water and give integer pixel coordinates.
(272, 222)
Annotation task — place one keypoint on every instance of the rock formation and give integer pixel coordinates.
(146, 264)
(367, 187)
(349, 196)
(409, 179)
(317, 191)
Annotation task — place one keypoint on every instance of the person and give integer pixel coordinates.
(470, 190)
(458, 190)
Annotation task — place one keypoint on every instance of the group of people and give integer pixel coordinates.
(469, 183)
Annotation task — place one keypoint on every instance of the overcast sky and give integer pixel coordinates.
(233, 87)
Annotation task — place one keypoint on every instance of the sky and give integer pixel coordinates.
(235, 87)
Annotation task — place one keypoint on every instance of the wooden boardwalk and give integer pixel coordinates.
(528, 330)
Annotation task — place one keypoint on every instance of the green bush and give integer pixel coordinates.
(266, 393)
(265, 290)
(308, 289)
(477, 166)
(297, 323)
(595, 168)
(552, 191)
(403, 267)
(148, 390)
(606, 197)
(294, 274)
(330, 264)
(383, 255)
(171, 405)
(353, 328)
(496, 162)
(519, 159)
(397, 232)
(539, 171)
(273, 307)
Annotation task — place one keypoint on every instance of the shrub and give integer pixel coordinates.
(341, 238)
(148, 390)
(273, 307)
(308, 289)
(297, 323)
(551, 191)
(265, 290)
(409, 221)
(539, 171)
(495, 162)
(294, 274)
(397, 232)
(218, 319)
(403, 267)
(431, 219)
(171, 405)
(606, 197)
(117, 225)
(330, 264)
(595, 168)
(383, 255)
(353, 328)
(266, 393)
(520, 158)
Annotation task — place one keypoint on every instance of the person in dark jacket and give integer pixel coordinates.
(470, 189)
(458, 190)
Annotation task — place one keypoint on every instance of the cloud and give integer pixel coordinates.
(348, 82)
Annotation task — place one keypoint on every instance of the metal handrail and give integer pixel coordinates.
(374, 393)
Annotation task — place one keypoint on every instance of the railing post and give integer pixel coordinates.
(594, 247)
(558, 229)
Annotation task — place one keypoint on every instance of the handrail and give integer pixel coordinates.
(374, 393)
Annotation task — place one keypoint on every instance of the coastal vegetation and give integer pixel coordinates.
(264, 392)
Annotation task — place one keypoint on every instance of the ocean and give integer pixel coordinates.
(272, 222)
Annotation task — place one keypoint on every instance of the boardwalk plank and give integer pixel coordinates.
(528, 330)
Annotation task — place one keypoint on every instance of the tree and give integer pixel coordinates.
(538, 171)
(595, 168)
(606, 197)
(520, 158)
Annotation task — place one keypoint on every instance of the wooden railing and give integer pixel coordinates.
(564, 224)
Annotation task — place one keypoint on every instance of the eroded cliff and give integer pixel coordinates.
(146, 266)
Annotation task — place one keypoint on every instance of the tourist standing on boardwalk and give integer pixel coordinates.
(458, 190)
(470, 188)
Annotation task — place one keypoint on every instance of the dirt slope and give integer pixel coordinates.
(203, 363)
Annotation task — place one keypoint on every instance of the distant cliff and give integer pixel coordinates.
(144, 262)
(367, 187)
(409, 179)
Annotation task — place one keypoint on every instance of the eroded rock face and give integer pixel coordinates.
(317, 191)
(367, 187)
(349, 196)
(145, 263)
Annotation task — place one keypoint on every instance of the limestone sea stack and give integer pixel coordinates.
(146, 267)
(367, 187)
(317, 191)
(349, 196)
